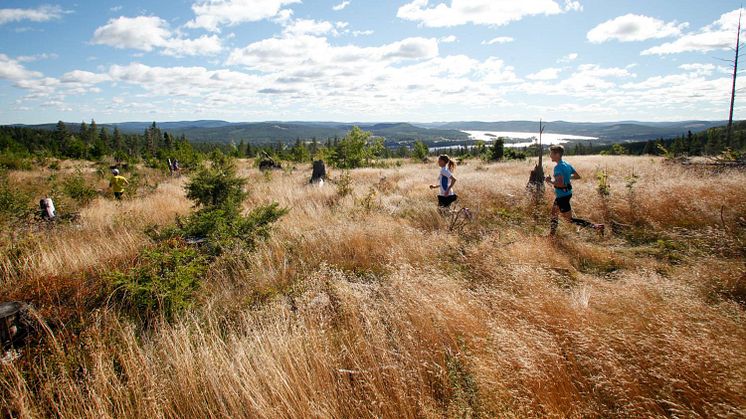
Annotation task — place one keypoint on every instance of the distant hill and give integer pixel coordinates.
(216, 131)
(271, 132)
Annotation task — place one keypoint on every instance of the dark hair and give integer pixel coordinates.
(558, 148)
(450, 163)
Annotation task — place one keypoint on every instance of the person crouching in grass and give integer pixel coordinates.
(562, 183)
(447, 196)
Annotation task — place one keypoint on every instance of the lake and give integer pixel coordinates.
(546, 138)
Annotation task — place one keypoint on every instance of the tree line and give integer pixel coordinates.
(93, 143)
(357, 148)
(711, 142)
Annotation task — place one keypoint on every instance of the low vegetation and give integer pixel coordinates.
(239, 294)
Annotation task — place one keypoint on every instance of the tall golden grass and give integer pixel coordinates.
(373, 308)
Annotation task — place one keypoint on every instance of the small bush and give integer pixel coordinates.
(76, 188)
(368, 202)
(13, 203)
(513, 154)
(344, 184)
(218, 184)
(224, 228)
(163, 282)
(13, 161)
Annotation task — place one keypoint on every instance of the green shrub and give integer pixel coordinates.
(420, 150)
(353, 150)
(217, 185)
(13, 161)
(76, 188)
(225, 228)
(344, 184)
(13, 203)
(164, 281)
(513, 154)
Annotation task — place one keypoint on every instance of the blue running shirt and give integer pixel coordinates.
(565, 170)
(444, 180)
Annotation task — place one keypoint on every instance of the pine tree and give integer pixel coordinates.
(713, 145)
(61, 135)
(419, 150)
(649, 148)
(83, 134)
(92, 132)
(168, 141)
(498, 149)
(117, 141)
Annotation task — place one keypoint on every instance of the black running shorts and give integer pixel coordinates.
(446, 201)
(563, 203)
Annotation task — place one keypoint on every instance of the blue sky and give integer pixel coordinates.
(357, 60)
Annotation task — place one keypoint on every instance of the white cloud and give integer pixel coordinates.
(146, 33)
(304, 51)
(586, 81)
(36, 57)
(719, 35)
(211, 14)
(568, 58)
(699, 68)
(498, 40)
(479, 12)
(310, 27)
(141, 32)
(631, 27)
(115, 8)
(341, 6)
(12, 70)
(573, 5)
(545, 74)
(447, 39)
(39, 14)
(297, 69)
(204, 45)
(362, 33)
(83, 77)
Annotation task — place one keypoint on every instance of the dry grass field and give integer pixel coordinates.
(369, 305)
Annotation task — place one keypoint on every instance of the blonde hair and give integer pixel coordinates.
(449, 162)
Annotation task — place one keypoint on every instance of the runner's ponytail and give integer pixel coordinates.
(449, 162)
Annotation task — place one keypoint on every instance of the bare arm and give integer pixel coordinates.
(559, 181)
(575, 175)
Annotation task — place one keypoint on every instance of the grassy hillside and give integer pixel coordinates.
(364, 303)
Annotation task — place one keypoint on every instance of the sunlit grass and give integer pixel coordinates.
(375, 309)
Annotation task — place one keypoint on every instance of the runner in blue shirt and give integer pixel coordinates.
(563, 173)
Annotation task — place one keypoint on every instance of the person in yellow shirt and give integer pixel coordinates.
(117, 184)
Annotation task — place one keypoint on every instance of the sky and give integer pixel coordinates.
(365, 60)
